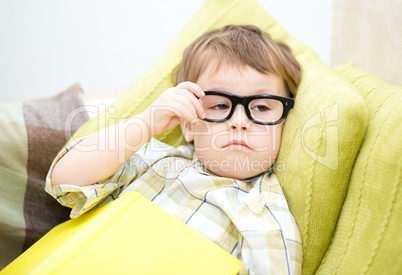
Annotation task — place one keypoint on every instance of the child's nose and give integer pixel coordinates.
(239, 119)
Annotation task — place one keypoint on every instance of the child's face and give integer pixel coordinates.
(237, 148)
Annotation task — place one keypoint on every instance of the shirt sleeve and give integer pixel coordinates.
(269, 240)
(82, 199)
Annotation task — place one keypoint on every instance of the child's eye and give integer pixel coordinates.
(260, 108)
(220, 107)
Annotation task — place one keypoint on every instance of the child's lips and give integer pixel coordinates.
(237, 145)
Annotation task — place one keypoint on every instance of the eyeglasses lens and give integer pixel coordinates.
(263, 110)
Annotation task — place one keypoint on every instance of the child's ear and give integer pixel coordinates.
(186, 128)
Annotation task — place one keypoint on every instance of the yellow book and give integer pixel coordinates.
(130, 235)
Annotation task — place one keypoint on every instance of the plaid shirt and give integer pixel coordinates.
(248, 218)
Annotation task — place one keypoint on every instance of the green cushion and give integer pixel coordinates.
(368, 235)
(321, 137)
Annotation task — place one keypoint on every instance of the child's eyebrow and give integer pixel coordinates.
(218, 89)
(263, 91)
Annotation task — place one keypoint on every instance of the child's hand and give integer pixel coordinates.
(175, 104)
(83, 167)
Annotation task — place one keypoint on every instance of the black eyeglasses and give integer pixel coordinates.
(261, 109)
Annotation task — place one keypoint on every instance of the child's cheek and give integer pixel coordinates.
(211, 135)
(201, 127)
(265, 138)
(201, 133)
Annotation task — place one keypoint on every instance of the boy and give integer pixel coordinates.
(233, 94)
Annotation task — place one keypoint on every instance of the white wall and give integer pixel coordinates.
(48, 45)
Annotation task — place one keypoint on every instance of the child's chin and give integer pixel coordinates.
(235, 164)
(240, 168)
(239, 175)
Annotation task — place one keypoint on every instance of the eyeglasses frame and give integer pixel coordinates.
(287, 102)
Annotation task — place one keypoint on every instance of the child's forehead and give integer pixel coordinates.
(214, 66)
(237, 79)
(219, 68)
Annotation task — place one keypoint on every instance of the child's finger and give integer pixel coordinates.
(186, 111)
(198, 92)
(195, 102)
(192, 87)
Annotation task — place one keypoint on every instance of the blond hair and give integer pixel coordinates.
(242, 45)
